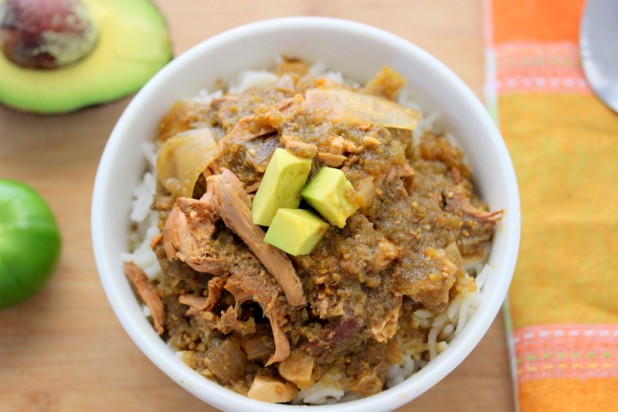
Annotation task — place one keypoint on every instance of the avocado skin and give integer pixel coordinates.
(134, 44)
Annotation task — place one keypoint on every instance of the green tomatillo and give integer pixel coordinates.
(29, 242)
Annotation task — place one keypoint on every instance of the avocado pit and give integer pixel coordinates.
(46, 34)
(58, 56)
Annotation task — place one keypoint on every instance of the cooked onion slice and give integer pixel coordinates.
(360, 108)
(183, 158)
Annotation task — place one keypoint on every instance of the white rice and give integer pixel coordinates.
(255, 78)
(142, 254)
(252, 78)
(146, 311)
(330, 389)
(320, 69)
(319, 393)
(145, 219)
(203, 96)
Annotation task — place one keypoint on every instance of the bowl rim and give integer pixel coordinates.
(219, 396)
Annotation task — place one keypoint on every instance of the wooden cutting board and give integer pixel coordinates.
(64, 350)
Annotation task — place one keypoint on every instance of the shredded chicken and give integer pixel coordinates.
(299, 148)
(148, 292)
(228, 322)
(387, 327)
(458, 202)
(187, 232)
(196, 304)
(246, 129)
(259, 288)
(263, 122)
(199, 304)
(233, 206)
(331, 159)
(385, 253)
(215, 288)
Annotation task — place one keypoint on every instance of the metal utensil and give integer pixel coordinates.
(598, 47)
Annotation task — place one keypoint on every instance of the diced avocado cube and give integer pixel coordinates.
(283, 180)
(332, 195)
(295, 231)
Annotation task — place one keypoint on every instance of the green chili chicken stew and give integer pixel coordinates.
(315, 239)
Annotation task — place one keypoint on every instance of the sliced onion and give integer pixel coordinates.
(228, 361)
(360, 108)
(183, 158)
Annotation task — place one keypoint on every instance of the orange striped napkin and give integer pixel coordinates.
(563, 303)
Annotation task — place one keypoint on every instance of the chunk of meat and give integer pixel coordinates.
(385, 253)
(333, 150)
(199, 304)
(459, 202)
(278, 115)
(196, 304)
(428, 279)
(257, 286)
(228, 322)
(187, 233)
(387, 327)
(215, 288)
(335, 338)
(331, 159)
(367, 190)
(402, 170)
(267, 119)
(337, 144)
(294, 145)
(148, 293)
(232, 205)
(432, 147)
(291, 107)
(246, 129)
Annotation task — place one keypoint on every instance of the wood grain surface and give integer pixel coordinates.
(64, 350)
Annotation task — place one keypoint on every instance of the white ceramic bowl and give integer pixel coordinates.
(358, 51)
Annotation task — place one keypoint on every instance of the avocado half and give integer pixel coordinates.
(133, 45)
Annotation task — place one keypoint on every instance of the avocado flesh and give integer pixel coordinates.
(133, 45)
(332, 195)
(283, 180)
(295, 231)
